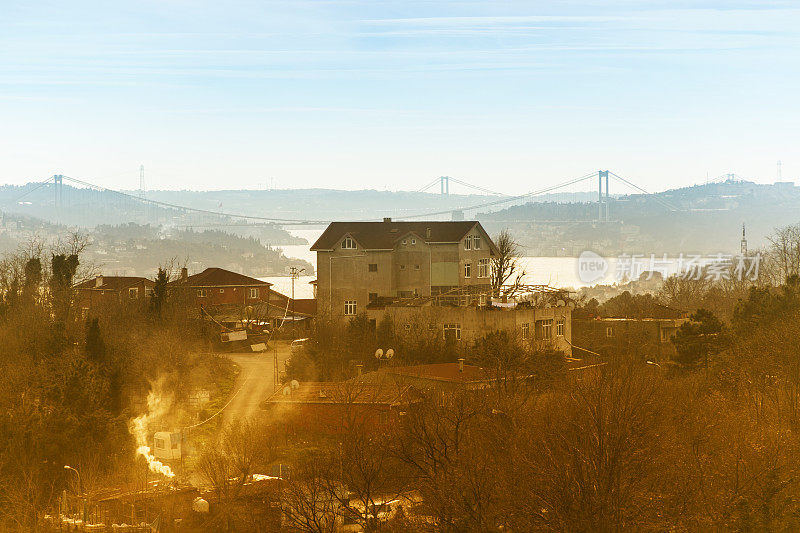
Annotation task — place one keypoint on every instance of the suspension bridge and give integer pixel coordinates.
(94, 199)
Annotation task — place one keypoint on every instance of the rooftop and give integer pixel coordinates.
(219, 277)
(448, 372)
(113, 283)
(355, 391)
(384, 235)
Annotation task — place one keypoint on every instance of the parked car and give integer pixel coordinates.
(298, 345)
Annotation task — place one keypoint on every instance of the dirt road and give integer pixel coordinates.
(255, 381)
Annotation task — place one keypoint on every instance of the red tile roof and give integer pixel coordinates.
(384, 235)
(219, 277)
(114, 283)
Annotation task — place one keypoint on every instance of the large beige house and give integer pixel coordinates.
(363, 263)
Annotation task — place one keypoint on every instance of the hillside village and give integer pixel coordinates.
(403, 312)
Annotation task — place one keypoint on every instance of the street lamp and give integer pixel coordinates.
(83, 492)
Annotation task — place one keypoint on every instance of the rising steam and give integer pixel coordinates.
(158, 404)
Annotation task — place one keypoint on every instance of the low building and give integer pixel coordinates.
(285, 310)
(220, 287)
(111, 290)
(547, 324)
(646, 338)
(326, 407)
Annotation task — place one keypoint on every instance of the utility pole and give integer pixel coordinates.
(780, 164)
(295, 273)
(141, 181)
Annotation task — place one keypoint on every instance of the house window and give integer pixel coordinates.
(467, 270)
(254, 292)
(373, 267)
(468, 243)
(609, 331)
(350, 308)
(405, 242)
(452, 332)
(476, 242)
(402, 267)
(560, 327)
(373, 296)
(526, 330)
(160, 444)
(544, 329)
(665, 334)
(222, 291)
(201, 293)
(408, 327)
(413, 241)
(416, 267)
(133, 293)
(483, 268)
(348, 244)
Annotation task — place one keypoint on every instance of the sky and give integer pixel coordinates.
(511, 96)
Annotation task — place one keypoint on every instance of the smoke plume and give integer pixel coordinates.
(158, 404)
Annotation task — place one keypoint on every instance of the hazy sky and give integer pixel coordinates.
(351, 94)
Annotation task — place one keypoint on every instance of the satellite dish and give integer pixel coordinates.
(389, 353)
(294, 384)
(287, 391)
(378, 353)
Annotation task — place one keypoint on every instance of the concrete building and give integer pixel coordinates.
(547, 324)
(359, 263)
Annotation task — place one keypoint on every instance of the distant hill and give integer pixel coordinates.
(700, 219)
(133, 249)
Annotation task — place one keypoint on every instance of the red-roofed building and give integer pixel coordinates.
(217, 286)
(111, 290)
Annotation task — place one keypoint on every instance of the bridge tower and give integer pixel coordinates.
(602, 201)
(58, 180)
(444, 182)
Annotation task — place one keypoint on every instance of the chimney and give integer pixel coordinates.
(387, 219)
(460, 364)
(184, 274)
(427, 233)
(98, 281)
(359, 367)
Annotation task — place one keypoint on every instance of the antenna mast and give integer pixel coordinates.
(141, 181)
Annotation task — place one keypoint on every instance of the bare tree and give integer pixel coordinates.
(507, 268)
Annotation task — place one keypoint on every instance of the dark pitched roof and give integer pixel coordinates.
(114, 283)
(219, 277)
(383, 235)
